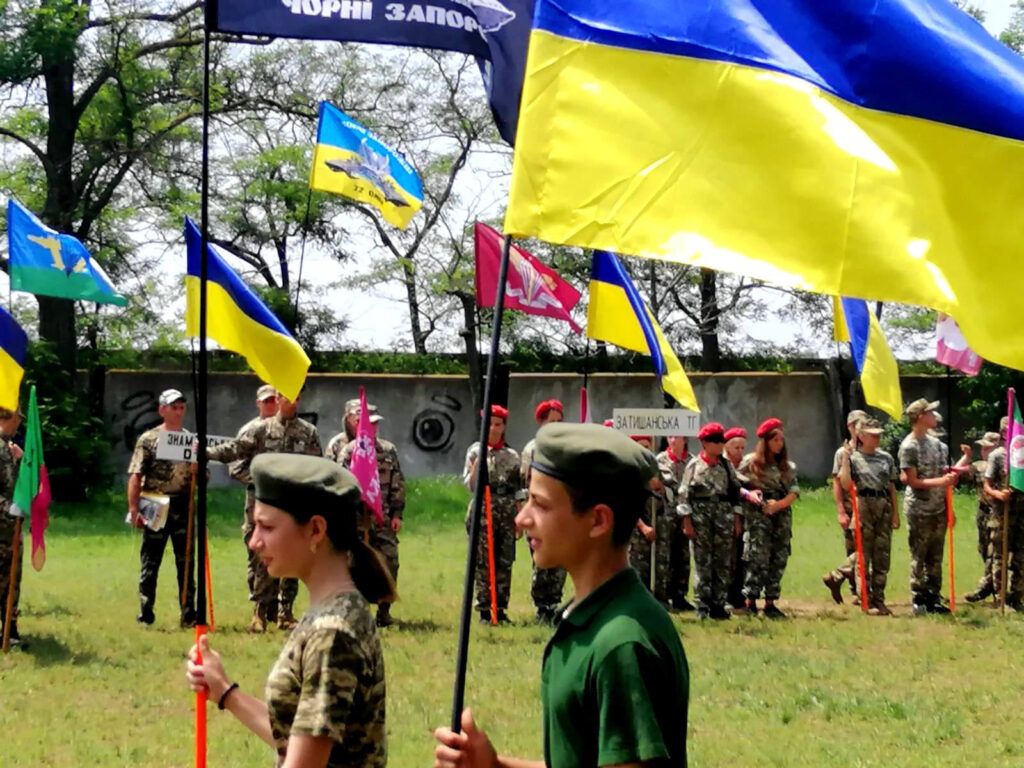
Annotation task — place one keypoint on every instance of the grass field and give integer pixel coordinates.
(829, 687)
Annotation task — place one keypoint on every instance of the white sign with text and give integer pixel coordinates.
(657, 421)
(177, 446)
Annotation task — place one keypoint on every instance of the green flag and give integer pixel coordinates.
(32, 490)
(1015, 449)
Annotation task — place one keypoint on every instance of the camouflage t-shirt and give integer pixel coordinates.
(329, 682)
(8, 474)
(158, 475)
(503, 469)
(995, 470)
(873, 471)
(389, 472)
(526, 462)
(705, 484)
(274, 434)
(930, 457)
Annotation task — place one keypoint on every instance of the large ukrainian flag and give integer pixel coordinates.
(237, 319)
(616, 313)
(868, 149)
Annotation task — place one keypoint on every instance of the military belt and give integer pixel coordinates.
(715, 497)
(774, 496)
(871, 493)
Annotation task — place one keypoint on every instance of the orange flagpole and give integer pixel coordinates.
(201, 699)
(862, 577)
(952, 566)
(490, 555)
(209, 580)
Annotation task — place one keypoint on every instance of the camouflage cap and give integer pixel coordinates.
(584, 454)
(264, 392)
(869, 427)
(920, 406)
(297, 482)
(352, 407)
(989, 440)
(854, 416)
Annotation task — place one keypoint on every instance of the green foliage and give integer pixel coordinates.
(74, 441)
(986, 395)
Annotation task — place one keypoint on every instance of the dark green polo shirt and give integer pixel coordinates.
(615, 685)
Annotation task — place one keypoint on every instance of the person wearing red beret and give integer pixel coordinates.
(671, 463)
(735, 447)
(709, 503)
(653, 532)
(546, 584)
(769, 526)
(503, 473)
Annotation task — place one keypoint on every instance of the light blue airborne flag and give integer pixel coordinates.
(47, 263)
(349, 160)
(496, 32)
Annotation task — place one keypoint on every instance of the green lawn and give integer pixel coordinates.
(830, 687)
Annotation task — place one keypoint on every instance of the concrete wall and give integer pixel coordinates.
(430, 418)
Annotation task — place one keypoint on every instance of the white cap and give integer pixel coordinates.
(169, 396)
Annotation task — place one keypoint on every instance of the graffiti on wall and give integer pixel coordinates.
(433, 428)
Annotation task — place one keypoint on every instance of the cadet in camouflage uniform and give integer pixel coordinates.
(986, 508)
(328, 684)
(545, 583)
(10, 455)
(873, 473)
(503, 469)
(924, 461)
(351, 423)
(709, 499)
(735, 448)
(996, 487)
(844, 512)
(768, 527)
(654, 527)
(383, 538)
(282, 433)
(147, 474)
(671, 463)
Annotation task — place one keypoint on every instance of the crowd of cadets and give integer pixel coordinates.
(727, 508)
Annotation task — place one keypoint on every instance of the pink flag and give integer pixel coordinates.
(584, 406)
(532, 286)
(951, 348)
(364, 460)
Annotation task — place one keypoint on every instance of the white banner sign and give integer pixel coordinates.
(177, 446)
(656, 421)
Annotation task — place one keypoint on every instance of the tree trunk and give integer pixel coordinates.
(57, 316)
(473, 362)
(419, 340)
(711, 351)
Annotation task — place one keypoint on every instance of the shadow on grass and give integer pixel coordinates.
(48, 651)
(53, 610)
(419, 626)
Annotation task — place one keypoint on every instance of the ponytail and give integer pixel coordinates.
(370, 574)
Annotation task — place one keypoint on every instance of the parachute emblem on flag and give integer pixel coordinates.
(537, 290)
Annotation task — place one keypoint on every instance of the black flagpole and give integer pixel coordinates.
(200, 513)
(478, 497)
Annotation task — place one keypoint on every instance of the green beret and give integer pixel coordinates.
(582, 455)
(309, 484)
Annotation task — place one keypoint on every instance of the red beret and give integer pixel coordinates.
(734, 432)
(710, 429)
(546, 406)
(768, 425)
(637, 438)
(609, 423)
(497, 410)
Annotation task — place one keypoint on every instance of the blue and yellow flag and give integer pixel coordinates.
(349, 160)
(47, 263)
(618, 315)
(238, 320)
(879, 374)
(849, 148)
(13, 351)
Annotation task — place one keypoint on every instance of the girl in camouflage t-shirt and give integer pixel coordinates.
(325, 695)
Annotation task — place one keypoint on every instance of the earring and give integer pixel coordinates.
(312, 547)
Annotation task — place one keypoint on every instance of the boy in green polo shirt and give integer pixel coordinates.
(614, 682)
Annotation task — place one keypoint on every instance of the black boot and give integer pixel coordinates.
(384, 615)
(485, 617)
